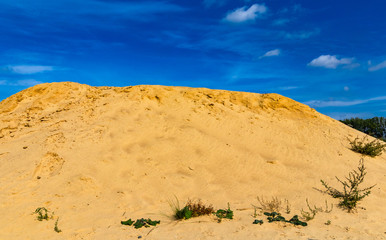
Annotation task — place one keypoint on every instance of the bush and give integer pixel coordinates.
(351, 193)
(364, 147)
(191, 209)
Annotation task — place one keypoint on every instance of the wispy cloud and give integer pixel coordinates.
(28, 69)
(301, 35)
(275, 52)
(378, 66)
(20, 83)
(332, 103)
(244, 14)
(286, 88)
(330, 61)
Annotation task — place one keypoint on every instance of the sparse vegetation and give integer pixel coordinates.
(277, 217)
(42, 213)
(56, 228)
(257, 221)
(365, 147)
(224, 213)
(351, 194)
(312, 211)
(140, 223)
(191, 209)
(274, 205)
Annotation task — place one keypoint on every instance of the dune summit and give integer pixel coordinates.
(98, 155)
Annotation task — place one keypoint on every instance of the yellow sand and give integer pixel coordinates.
(96, 156)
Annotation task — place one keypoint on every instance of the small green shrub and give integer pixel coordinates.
(351, 193)
(364, 147)
(199, 209)
(140, 223)
(224, 213)
(42, 214)
(191, 209)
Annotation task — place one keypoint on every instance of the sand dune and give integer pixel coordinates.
(99, 155)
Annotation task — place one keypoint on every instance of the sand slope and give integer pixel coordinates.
(96, 156)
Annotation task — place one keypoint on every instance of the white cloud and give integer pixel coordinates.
(328, 61)
(378, 66)
(275, 52)
(333, 103)
(21, 83)
(29, 69)
(243, 14)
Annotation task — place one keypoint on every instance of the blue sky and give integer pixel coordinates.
(328, 54)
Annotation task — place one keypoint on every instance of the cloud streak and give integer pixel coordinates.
(321, 104)
(28, 69)
(243, 14)
(275, 52)
(20, 83)
(378, 67)
(329, 61)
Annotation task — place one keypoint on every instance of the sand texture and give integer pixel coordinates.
(98, 155)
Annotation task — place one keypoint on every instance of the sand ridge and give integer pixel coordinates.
(98, 155)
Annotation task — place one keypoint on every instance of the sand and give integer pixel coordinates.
(98, 155)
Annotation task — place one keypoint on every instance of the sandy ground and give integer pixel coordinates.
(96, 156)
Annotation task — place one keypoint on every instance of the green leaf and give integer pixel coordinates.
(128, 222)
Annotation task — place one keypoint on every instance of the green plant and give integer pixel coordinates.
(258, 221)
(224, 213)
(277, 217)
(199, 209)
(56, 229)
(351, 193)
(364, 147)
(191, 209)
(140, 223)
(42, 214)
